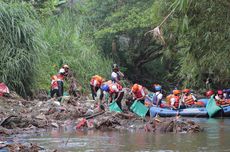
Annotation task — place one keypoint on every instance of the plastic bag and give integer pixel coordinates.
(211, 107)
(139, 109)
(114, 107)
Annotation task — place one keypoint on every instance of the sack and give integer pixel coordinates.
(211, 107)
(114, 107)
(139, 109)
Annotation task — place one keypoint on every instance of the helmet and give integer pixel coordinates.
(175, 92)
(186, 91)
(65, 66)
(157, 87)
(105, 87)
(209, 93)
(219, 92)
(135, 87)
(115, 66)
(61, 71)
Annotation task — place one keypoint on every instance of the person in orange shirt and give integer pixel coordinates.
(95, 84)
(139, 93)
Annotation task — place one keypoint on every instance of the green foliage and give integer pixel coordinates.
(43, 7)
(119, 27)
(19, 46)
(196, 35)
(65, 46)
(204, 48)
(92, 34)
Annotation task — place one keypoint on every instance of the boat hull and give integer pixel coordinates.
(188, 112)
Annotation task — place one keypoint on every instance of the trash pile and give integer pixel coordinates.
(18, 116)
(129, 121)
(172, 125)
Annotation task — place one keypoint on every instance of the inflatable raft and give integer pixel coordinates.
(189, 112)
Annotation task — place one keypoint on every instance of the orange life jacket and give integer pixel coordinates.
(60, 77)
(189, 100)
(112, 87)
(227, 101)
(54, 84)
(221, 102)
(98, 80)
(177, 102)
(138, 93)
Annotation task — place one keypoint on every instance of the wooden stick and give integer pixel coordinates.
(94, 115)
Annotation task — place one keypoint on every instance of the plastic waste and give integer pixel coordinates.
(114, 107)
(211, 107)
(139, 109)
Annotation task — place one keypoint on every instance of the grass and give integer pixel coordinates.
(19, 45)
(65, 45)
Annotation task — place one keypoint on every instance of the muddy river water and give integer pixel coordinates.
(216, 137)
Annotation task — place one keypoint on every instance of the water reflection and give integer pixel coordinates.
(215, 138)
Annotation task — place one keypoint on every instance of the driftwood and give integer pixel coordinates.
(94, 115)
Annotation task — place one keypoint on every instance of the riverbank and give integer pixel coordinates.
(19, 116)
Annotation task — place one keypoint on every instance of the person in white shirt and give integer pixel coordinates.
(116, 75)
(158, 95)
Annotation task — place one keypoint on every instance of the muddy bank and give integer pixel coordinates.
(26, 147)
(18, 116)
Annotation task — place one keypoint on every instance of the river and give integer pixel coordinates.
(214, 138)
